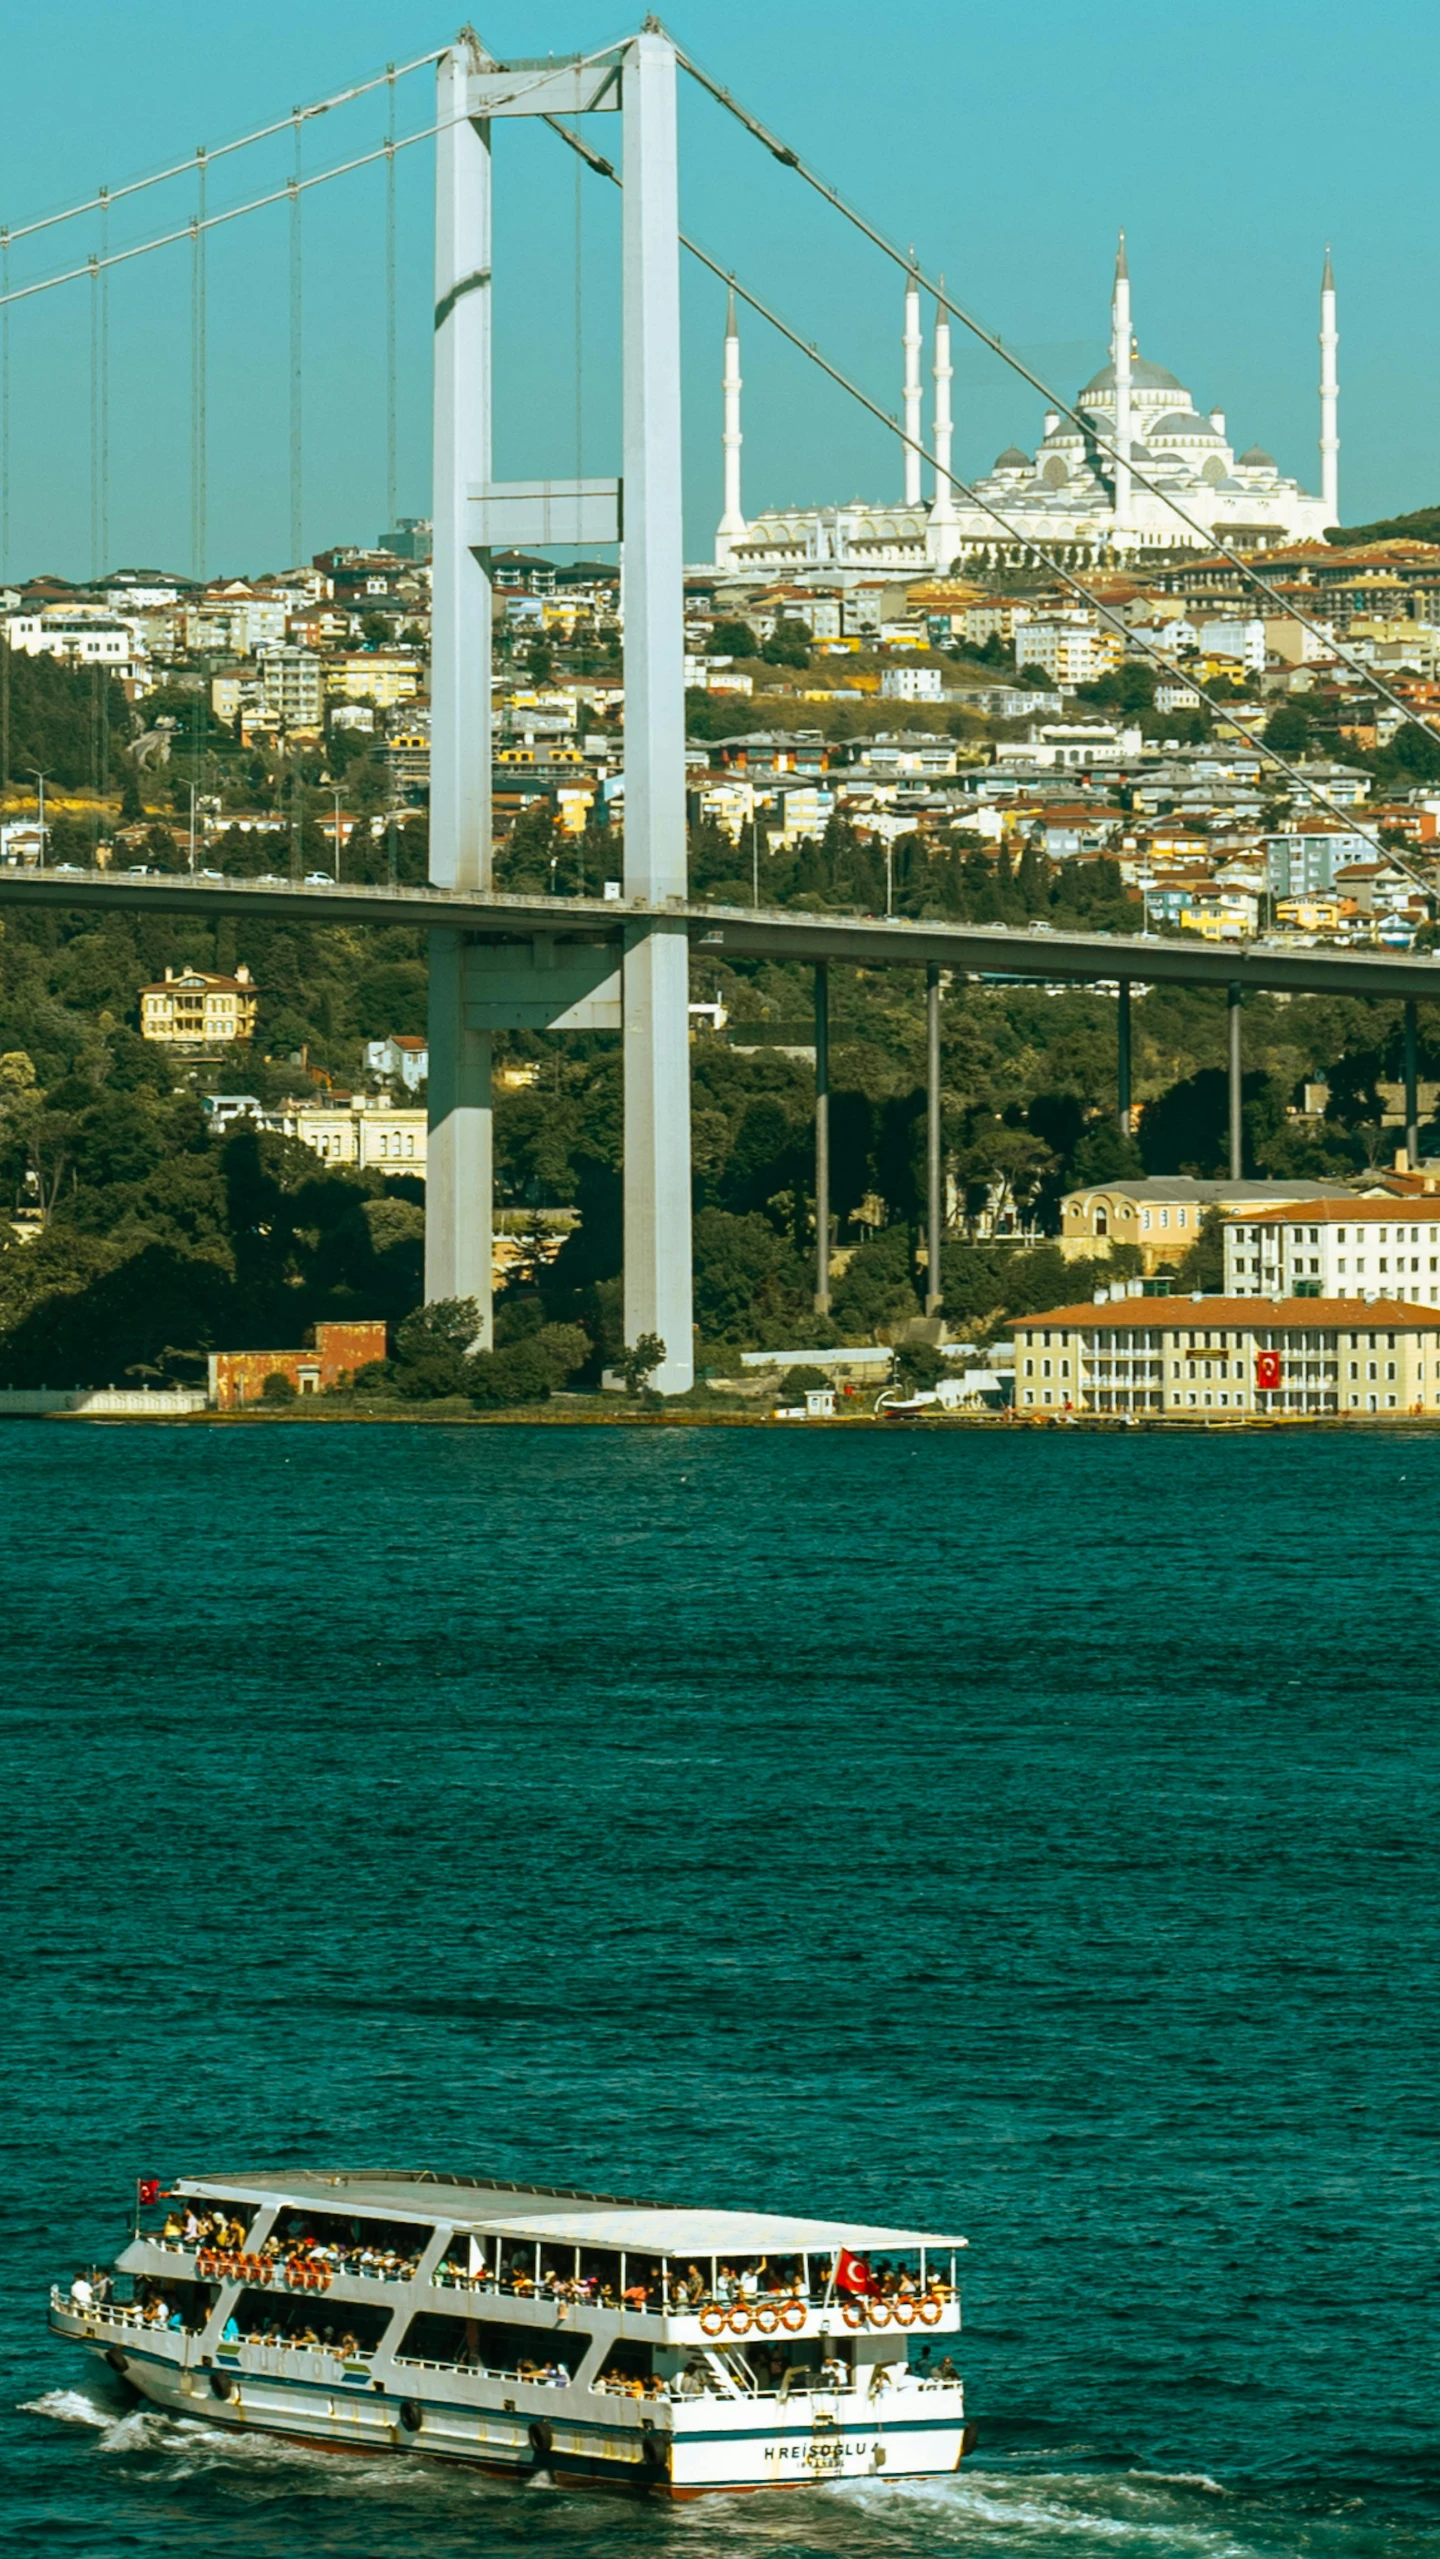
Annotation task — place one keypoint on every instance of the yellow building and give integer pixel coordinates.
(191, 1008)
(381, 676)
(1235, 1356)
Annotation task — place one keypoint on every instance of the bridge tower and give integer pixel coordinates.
(478, 986)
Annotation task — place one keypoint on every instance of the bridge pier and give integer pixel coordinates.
(822, 1137)
(658, 1286)
(459, 1190)
(1234, 998)
(934, 1158)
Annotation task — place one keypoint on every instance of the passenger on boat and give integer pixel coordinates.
(230, 2333)
(173, 2227)
(82, 2292)
(834, 2374)
(695, 2380)
(348, 2347)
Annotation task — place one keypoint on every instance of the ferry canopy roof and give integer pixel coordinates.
(577, 2219)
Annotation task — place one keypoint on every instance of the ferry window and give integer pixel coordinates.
(600, 2268)
(490, 2345)
(309, 2319)
(359, 2242)
(626, 2360)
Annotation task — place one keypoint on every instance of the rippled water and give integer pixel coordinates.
(1032, 1836)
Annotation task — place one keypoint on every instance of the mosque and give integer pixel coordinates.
(1070, 499)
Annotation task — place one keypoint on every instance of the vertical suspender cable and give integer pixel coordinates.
(391, 419)
(199, 379)
(105, 385)
(95, 414)
(5, 417)
(579, 318)
(297, 414)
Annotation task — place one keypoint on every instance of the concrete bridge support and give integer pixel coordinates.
(460, 1185)
(1234, 996)
(477, 990)
(822, 1137)
(934, 1151)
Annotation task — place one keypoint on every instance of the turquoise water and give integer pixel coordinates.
(1033, 1836)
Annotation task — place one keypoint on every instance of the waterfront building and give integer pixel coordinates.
(198, 1009)
(362, 1129)
(238, 1377)
(1328, 1247)
(1193, 1356)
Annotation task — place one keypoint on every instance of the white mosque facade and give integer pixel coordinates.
(1072, 500)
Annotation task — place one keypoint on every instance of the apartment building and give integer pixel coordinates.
(1331, 1248)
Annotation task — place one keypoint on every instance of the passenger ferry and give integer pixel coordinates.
(592, 2339)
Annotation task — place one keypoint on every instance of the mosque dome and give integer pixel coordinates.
(1144, 376)
(1257, 459)
(1185, 422)
(1012, 459)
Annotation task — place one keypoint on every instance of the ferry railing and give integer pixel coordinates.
(106, 2314)
(765, 2310)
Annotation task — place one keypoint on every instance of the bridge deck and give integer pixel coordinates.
(869, 941)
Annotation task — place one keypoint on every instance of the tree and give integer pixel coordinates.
(433, 1349)
(733, 640)
(788, 644)
(797, 1383)
(639, 1361)
(919, 1367)
(1288, 729)
(278, 1388)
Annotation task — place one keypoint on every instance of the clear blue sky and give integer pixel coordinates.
(1008, 145)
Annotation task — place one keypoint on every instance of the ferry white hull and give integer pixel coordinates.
(688, 2450)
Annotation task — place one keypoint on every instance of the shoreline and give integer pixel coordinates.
(542, 1417)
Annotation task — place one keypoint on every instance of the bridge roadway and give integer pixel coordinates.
(866, 941)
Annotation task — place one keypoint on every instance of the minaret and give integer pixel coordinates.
(942, 513)
(732, 523)
(1329, 399)
(1120, 357)
(914, 421)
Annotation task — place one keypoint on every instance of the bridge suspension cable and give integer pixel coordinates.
(391, 416)
(807, 347)
(199, 384)
(224, 150)
(904, 259)
(297, 366)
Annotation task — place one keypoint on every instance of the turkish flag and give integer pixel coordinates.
(852, 2274)
(147, 2188)
(1267, 1371)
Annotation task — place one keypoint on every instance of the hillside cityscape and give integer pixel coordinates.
(211, 1150)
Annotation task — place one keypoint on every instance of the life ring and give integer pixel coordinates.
(252, 2270)
(902, 2311)
(205, 2264)
(712, 2319)
(221, 2384)
(879, 2313)
(740, 2320)
(295, 2273)
(412, 2416)
(793, 2316)
(853, 2313)
(767, 2318)
(321, 2274)
(264, 2272)
(930, 2310)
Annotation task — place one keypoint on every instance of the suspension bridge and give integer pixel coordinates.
(500, 960)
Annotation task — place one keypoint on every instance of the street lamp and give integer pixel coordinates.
(889, 877)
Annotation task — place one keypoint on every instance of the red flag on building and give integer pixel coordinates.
(853, 2275)
(1267, 1371)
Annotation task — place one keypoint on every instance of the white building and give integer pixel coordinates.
(1383, 1247)
(1068, 648)
(80, 634)
(290, 688)
(913, 683)
(1070, 497)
